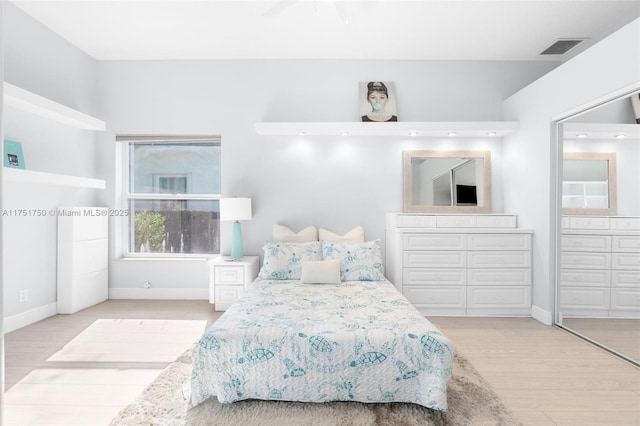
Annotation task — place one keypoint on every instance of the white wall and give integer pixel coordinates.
(40, 61)
(336, 183)
(605, 68)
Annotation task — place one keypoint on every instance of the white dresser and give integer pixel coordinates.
(460, 264)
(600, 267)
(83, 258)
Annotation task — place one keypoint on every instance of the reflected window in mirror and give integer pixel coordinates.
(589, 183)
(447, 181)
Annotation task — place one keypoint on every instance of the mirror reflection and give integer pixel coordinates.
(589, 183)
(447, 181)
(599, 264)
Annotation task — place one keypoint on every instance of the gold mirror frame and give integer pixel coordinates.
(484, 195)
(612, 193)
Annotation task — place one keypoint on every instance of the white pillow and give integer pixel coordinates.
(282, 234)
(355, 236)
(321, 272)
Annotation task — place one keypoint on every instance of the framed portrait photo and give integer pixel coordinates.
(13, 156)
(377, 101)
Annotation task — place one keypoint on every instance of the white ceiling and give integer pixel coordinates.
(318, 29)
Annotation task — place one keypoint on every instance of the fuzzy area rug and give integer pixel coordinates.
(471, 402)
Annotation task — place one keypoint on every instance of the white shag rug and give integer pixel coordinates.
(471, 402)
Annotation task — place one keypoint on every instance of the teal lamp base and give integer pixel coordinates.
(236, 242)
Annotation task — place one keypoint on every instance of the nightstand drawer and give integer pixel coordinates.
(229, 275)
(226, 295)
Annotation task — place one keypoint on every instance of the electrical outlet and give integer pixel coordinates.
(24, 295)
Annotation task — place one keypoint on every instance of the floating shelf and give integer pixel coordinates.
(399, 128)
(612, 131)
(35, 104)
(30, 176)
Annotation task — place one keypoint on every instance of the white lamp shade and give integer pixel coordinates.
(235, 208)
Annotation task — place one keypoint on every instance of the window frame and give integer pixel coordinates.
(127, 196)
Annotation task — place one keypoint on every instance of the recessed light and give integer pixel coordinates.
(302, 133)
(452, 133)
(491, 133)
(413, 133)
(619, 136)
(344, 133)
(581, 135)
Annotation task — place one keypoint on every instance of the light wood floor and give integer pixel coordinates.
(83, 368)
(546, 375)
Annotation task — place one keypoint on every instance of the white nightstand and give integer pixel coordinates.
(227, 279)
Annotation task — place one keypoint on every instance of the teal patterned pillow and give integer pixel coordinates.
(360, 262)
(283, 261)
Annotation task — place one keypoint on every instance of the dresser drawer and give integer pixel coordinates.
(229, 275)
(626, 261)
(499, 242)
(625, 299)
(585, 278)
(499, 259)
(586, 260)
(581, 298)
(493, 221)
(589, 222)
(626, 244)
(586, 243)
(435, 259)
(456, 221)
(498, 297)
(627, 223)
(437, 297)
(431, 276)
(434, 242)
(415, 221)
(497, 277)
(625, 279)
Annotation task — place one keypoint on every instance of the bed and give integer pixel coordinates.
(297, 338)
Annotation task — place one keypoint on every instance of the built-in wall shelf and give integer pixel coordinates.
(461, 129)
(31, 176)
(25, 100)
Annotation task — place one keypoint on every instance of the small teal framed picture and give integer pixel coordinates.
(13, 156)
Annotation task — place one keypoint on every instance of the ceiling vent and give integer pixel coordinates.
(562, 46)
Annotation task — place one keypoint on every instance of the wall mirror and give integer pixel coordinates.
(598, 268)
(589, 183)
(447, 181)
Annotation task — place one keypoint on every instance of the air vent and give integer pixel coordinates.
(562, 46)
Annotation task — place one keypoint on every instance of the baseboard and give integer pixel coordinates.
(160, 293)
(541, 315)
(23, 319)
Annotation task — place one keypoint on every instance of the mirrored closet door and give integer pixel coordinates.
(598, 285)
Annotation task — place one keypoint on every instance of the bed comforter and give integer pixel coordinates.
(357, 341)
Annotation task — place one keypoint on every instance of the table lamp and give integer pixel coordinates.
(236, 209)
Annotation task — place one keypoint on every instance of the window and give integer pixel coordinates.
(173, 195)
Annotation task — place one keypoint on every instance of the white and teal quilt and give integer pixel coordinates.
(354, 341)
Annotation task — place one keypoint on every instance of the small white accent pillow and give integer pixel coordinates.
(282, 234)
(321, 272)
(355, 236)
